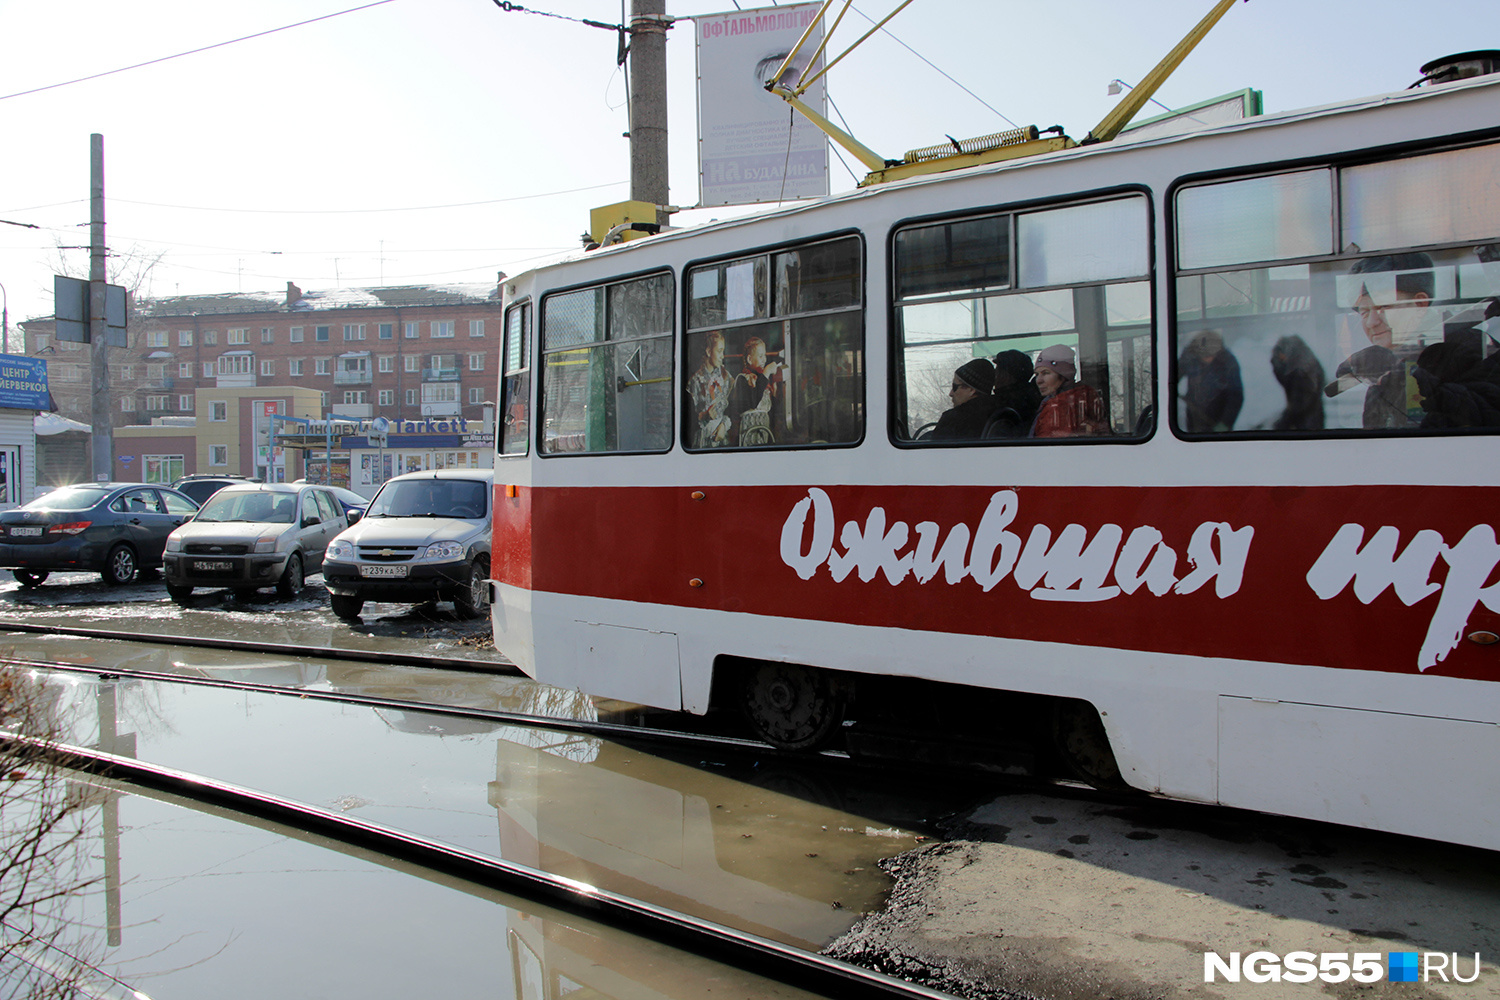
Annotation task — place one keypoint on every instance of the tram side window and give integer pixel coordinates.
(515, 382)
(607, 368)
(1356, 299)
(775, 345)
(1026, 325)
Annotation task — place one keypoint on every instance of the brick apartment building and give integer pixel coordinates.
(408, 353)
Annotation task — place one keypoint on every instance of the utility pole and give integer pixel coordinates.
(104, 442)
(648, 104)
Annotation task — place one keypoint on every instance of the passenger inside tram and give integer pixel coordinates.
(973, 403)
(1016, 396)
(1069, 408)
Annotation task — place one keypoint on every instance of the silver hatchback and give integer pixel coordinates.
(251, 536)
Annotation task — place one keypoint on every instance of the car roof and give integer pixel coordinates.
(486, 474)
(263, 488)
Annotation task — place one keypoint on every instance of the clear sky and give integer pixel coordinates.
(441, 141)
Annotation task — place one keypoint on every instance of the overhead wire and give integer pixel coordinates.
(366, 211)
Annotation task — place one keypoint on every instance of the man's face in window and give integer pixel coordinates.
(1393, 322)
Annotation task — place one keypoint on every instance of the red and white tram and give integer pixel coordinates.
(1260, 562)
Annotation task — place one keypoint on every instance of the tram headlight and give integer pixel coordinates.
(338, 549)
(444, 550)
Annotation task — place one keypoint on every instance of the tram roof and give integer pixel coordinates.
(1121, 143)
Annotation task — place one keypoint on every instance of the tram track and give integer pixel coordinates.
(786, 964)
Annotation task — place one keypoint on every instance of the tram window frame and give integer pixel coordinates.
(781, 330)
(1373, 313)
(1122, 356)
(513, 439)
(604, 338)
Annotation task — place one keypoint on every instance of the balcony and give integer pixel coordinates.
(440, 375)
(353, 378)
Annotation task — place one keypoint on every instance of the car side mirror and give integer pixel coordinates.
(308, 522)
(354, 517)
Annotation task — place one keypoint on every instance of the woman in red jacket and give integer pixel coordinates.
(1069, 408)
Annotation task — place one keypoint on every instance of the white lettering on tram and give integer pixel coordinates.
(1073, 568)
(1376, 566)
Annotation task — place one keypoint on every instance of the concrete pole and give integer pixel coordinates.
(648, 103)
(104, 442)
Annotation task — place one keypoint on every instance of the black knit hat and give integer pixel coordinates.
(1016, 364)
(978, 374)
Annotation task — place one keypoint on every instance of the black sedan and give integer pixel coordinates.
(114, 529)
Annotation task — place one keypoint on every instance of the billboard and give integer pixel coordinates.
(752, 147)
(23, 383)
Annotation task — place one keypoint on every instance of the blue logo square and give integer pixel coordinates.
(1401, 967)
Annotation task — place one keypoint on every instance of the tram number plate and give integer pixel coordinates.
(382, 571)
(210, 565)
(32, 532)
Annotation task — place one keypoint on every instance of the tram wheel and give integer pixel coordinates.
(1079, 736)
(791, 706)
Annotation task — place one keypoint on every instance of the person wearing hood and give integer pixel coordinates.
(1016, 396)
(973, 402)
(1069, 408)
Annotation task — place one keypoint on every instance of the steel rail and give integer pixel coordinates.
(785, 964)
(274, 648)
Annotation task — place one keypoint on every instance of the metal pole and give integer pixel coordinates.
(104, 444)
(648, 104)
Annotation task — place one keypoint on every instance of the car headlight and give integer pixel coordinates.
(174, 542)
(444, 550)
(339, 549)
(266, 543)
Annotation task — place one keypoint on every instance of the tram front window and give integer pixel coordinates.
(1397, 332)
(1063, 287)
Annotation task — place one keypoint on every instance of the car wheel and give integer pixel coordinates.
(30, 577)
(347, 608)
(473, 600)
(179, 594)
(120, 566)
(292, 581)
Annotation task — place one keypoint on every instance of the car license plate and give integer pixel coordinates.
(31, 532)
(382, 571)
(210, 565)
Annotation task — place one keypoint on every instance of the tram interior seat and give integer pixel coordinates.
(1146, 422)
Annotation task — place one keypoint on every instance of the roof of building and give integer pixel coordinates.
(249, 303)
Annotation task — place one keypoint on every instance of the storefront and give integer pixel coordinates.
(355, 455)
(23, 392)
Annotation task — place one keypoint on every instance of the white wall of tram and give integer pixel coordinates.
(1186, 726)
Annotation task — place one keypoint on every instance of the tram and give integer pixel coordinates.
(1249, 558)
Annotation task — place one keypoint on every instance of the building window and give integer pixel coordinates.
(208, 369)
(444, 363)
(234, 364)
(185, 403)
(159, 404)
(411, 397)
(356, 397)
(322, 366)
(218, 454)
(413, 363)
(218, 411)
(184, 369)
(387, 363)
(124, 373)
(210, 337)
(354, 331)
(127, 404)
(268, 368)
(294, 335)
(237, 335)
(267, 335)
(442, 329)
(387, 397)
(387, 331)
(411, 331)
(320, 333)
(184, 338)
(156, 373)
(439, 392)
(294, 366)
(323, 400)
(476, 328)
(161, 468)
(156, 338)
(476, 362)
(476, 395)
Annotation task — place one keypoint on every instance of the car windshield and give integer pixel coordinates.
(431, 498)
(69, 498)
(255, 506)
